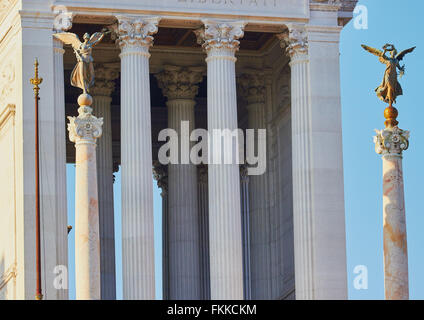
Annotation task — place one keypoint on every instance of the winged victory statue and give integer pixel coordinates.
(83, 74)
(390, 88)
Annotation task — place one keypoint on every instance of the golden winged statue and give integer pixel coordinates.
(83, 74)
(390, 88)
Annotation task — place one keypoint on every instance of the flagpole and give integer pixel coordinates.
(36, 81)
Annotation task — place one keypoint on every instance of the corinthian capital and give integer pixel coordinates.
(85, 128)
(160, 174)
(104, 84)
(135, 31)
(294, 41)
(180, 82)
(252, 84)
(220, 34)
(391, 141)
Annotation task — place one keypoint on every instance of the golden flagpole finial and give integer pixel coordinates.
(36, 81)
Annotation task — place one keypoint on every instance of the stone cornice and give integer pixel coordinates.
(325, 5)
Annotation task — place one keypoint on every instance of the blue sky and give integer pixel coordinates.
(389, 21)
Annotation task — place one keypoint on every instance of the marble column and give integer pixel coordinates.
(254, 90)
(317, 162)
(83, 131)
(245, 225)
(60, 156)
(101, 92)
(180, 86)
(160, 173)
(202, 174)
(219, 40)
(135, 39)
(390, 143)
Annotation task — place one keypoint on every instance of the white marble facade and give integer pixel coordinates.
(276, 236)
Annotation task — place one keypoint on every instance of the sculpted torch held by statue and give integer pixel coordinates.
(390, 88)
(83, 74)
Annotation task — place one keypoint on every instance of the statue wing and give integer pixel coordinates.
(95, 38)
(69, 38)
(374, 51)
(401, 55)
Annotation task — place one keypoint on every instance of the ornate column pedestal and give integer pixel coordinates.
(134, 39)
(220, 42)
(83, 131)
(390, 143)
(179, 85)
(101, 92)
(253, 85)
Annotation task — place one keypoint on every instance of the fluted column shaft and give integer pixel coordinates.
(226, 255)
(302, 176)
(391, 142)
(245, 224)
(101, 92)
(253, 83)
(136, 157)
(204, 231)
(183, 223)
(317, 163)
(83, 131)
(60, 156)
(179, 85)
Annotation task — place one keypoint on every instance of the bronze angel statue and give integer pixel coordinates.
(83, 74)
(390, 88)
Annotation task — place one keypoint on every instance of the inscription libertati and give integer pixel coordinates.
(235, 3)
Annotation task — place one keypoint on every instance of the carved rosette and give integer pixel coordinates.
(219, 35)
(295, 41)
(253, 87)
(391, 141)
(135, 32)
(85, 128)
(180, 82)
(160, 174)
(104, 84)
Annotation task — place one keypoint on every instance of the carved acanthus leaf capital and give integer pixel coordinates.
(180, 82)
(84, 128)
(220, 34)
(253, 86)
(135, 31)
(104, 81)
(391, 141)
(294, 40)
(160, 174)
